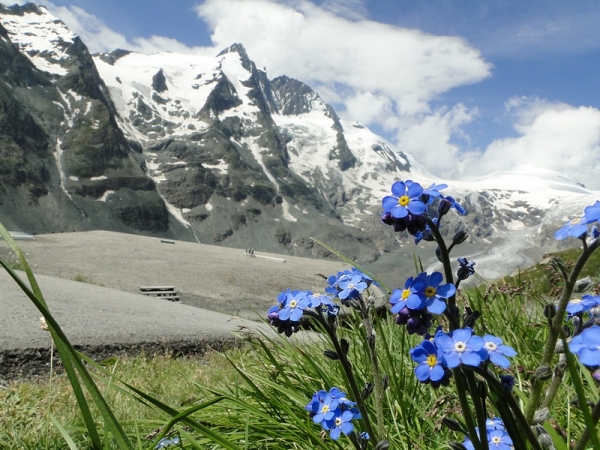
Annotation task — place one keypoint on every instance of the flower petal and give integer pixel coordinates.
(398, 189)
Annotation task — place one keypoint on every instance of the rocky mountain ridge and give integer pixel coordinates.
(208, 148)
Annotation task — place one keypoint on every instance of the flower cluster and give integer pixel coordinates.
(333, 411)
(497, 436)
(579, 227)
(348, 285)
(586, 304)
(434, 357)
(287, 314)
(291, 305)
(407, 207)
(421, 296)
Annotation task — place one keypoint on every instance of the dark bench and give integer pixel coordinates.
(166, 292)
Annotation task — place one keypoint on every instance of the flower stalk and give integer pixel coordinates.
(555, 330)
(348, 374)
(377, 379)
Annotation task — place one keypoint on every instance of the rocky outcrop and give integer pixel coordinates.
(64, 162)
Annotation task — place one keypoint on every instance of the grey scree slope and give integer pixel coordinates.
(114, 316)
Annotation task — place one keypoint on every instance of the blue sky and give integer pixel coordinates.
(466, 86)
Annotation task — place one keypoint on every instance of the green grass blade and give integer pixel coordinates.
(184, 414)
(68, 356)
(352, 263)
(65, 356)
(15, 248)
(64, 433)
(215, 437)
(189, 438)
(559, 443)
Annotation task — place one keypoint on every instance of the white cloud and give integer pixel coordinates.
(93, 32)
(313, 44)
(351, 9)
(557, 137)
(429, 139)
(368, 108)
(99, 37)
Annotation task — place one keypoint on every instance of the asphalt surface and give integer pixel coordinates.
(97, 315)
(108, 309)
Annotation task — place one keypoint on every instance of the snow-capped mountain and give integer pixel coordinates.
(208, 148)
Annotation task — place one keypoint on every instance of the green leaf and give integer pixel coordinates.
(68, 356)
(64, 433)
(352, 263)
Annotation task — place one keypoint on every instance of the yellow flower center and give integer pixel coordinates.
(405, 294)
(325, 408)
(431, 360)
(293, 303)
(496, 440)
(430, 291)
(576, 221)
(403, 201)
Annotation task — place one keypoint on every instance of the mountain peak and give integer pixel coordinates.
(43, 38)
(20, 10)
(294, 97)
(240, 50)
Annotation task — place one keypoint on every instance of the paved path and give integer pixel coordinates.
(96, 315)
(110, 317)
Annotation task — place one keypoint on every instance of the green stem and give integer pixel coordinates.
(349, 375)
(479, 403)
(461, 389)
(554, 331)
(585, 436)
(555, 384)
(49, 394)
(445, 254)
(443, 250)
(378, 385)
(507, 398)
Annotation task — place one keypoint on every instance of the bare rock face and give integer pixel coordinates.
(66, 164)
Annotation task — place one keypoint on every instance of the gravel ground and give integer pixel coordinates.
(223, 293)
(216, 278)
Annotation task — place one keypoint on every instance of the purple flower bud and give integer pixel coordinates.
(444, 207)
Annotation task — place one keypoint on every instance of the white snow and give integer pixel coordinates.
(221, 166)
(105, 196)
(42, 37)
(181, 104)
(57, 157)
